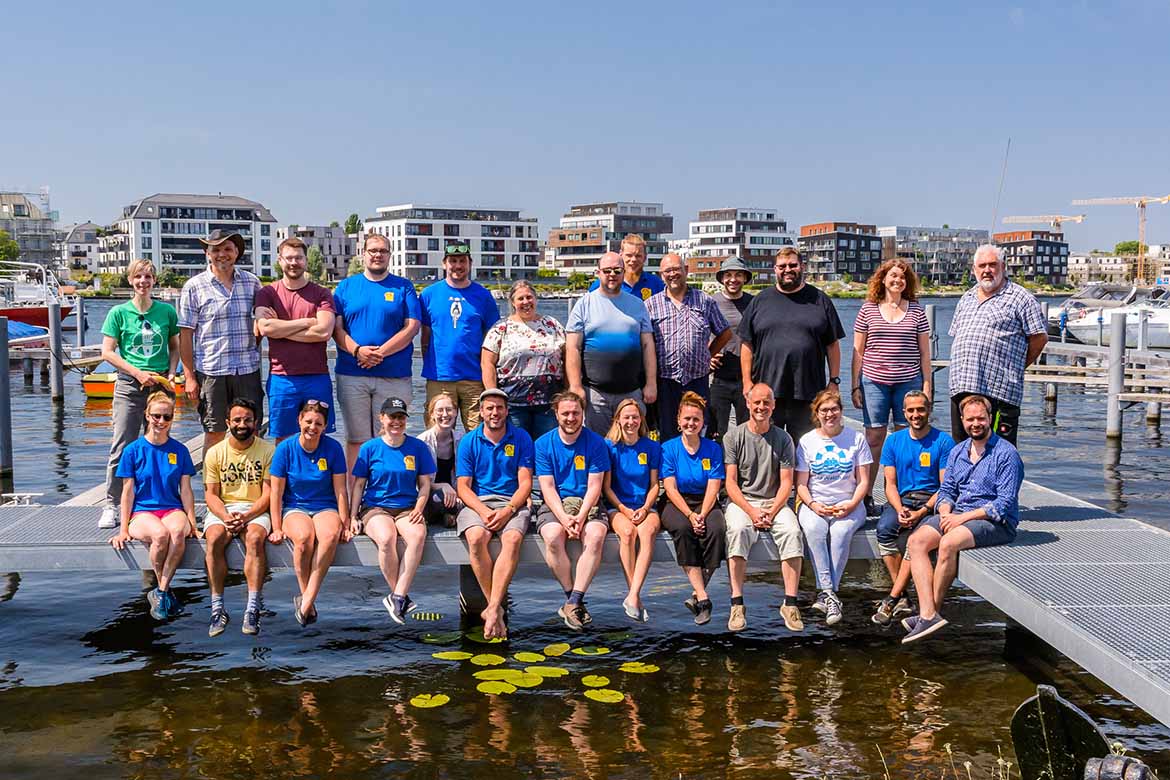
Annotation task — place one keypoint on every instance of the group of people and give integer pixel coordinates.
(620, 418)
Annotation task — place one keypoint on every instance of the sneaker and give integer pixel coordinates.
(903, 607)
(219, 622)
(157, 601)
(703, 615)
(410, 605)
(791, 615)
(108, 518)
(909, 622)
(885, 612)
(737, 620)
(251, 624)
(821, 604)
(583, 613)
(396, 606)
(174, 606)
(833, 612)
(570, 613)
(300, 616)
(924, 628)
(692, 604)
(642, 616)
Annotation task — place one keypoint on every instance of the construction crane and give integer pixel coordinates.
(1055, 220)
(1141, 202)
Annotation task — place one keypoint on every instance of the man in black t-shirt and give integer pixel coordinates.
(789, 332)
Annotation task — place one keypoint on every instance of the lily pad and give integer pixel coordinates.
(451, 655)
(637, 667)
(495, 687)
(428, 700)
(526, 680)
(560, 648)
(476, 635)
(594, 681)
(497, 674)
(528, 658)
(606, 695)
(590, 651)
(444, 638)
(487, 659)
(616, 636)
(546, 671)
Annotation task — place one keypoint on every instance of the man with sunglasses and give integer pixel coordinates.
(377, 319)
(456, 315)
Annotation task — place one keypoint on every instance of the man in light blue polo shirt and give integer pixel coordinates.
(571, 462)
(493, 472)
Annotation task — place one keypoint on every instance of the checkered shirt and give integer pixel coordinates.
(992, 484)
(990, 342)
(681, 333)
(225, 343)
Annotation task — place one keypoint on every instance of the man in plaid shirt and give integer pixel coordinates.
(689, 330)
(217, 340)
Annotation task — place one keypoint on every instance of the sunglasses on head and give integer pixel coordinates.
(157, 417)
(315, 402)
(457, 250)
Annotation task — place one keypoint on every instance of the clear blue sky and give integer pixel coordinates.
(845, 112)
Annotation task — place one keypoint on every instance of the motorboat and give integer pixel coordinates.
(1096, 296)
(1154, 312)
(27, 290)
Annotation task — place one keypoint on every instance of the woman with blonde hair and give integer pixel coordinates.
(631, 492)
(442, 439)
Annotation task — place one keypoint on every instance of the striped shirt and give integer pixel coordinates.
(992, 484)
(682, 332)
(891, 348)
(225, 344)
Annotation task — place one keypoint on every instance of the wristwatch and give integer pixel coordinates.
(835, 380)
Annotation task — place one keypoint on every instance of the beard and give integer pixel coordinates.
(991, 285)
(242, 434)
(789, 286)
(983, 435)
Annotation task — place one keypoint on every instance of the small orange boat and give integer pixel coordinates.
(101, 384)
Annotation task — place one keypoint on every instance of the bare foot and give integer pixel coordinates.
(493, 623)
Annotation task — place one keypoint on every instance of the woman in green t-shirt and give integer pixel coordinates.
(140, 338)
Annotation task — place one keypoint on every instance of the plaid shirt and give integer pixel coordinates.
(992, 484)
(682, 332)
(225, 343)
(990, 342)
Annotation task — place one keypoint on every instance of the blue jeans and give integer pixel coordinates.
(537, 420)
(880, 400)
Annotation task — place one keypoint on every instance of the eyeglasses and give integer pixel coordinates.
(457, 250)
(611, 271)
(160, 417)
(377, 251)
(315, 402)
(788, 265)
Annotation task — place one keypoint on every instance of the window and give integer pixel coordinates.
(266, 259)
(265, 244)
(264, 230)
(146, 242)
(411, 244)
(432, 244)
(145, 227)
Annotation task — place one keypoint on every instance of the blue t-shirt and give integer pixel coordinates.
(391, 473)
(571, 464)
(458, 319)
(493, 468)
(309, 475)
(156, 470)
(917, 462)
(611, 335)
(691, 472)
(648, 285)
(372, 312)
(631, 466)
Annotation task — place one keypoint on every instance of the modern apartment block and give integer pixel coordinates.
(752, 234)
(832, 250)
(336, 247)
(1098, 267)
(165, 228)
(504, 245)
(30, 226)
(1035, 255)
(79, 249)
(939, 255)
(590, 230)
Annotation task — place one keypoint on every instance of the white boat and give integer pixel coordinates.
(1100, 295)
(27, 289)
(1155, 313)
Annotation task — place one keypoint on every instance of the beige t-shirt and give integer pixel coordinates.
(239, 473)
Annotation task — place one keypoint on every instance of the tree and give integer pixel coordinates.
(547, 273)
(356, 266)
(353, 225)
(9, 249)
(171, 278)
(579, 280)
(334, 223)
(1126, 248)
(316, 264)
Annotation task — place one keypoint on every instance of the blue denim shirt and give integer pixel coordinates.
(992, 484)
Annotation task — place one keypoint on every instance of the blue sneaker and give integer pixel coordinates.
(158, 604)
(219, 622)
(251, 623)
(924, 628)
(174, 606)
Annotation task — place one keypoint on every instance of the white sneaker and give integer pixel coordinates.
(109, 518)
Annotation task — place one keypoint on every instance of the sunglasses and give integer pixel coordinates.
(315, 402)
(457, 250)
(158, 417)
(611, 271)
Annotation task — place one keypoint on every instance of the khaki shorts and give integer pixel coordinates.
(469, 518)
(466, 394)
(741, 534)
(361, 398)
(261, 520)
(572, 505)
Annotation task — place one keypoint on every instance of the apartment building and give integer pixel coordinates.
(752, 234)
(939, 255)
(504, 245)
(833, 251)
(336, 247)
(30, 226)
(1085, 267)
(589, 230)
(1039, 256)
(165, 228)
(78, 248)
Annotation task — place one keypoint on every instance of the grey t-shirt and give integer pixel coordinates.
(759, 459)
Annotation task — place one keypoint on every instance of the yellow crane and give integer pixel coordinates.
(1141, 201)
(1055, 220)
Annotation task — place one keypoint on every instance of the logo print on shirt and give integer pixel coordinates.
(641, 459)
(172, 459)
(706, 464)
(389, 296)
(321, 464)
(408, 462)
(509, 450)
(456, 312)
(579, 462)
(831, 460)
(924, 459)
(645, 293)
(145, 344)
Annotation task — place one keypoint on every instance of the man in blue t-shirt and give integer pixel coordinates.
(913, 464)
(493, 476)
(571, 463)
(456, 314)
(377, 317)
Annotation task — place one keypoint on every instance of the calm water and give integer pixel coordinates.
(90, 686)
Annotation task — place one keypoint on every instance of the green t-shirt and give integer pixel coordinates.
(143, 339)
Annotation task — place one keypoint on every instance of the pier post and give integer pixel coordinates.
(471, 600)
(1100, 327)
(1116, 376)
(56, 356)
(79, 315)
(1049, 387)
(931, 313)
(26, 368)
(5, 404)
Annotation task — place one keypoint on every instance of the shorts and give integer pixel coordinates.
(469, 518)
(741, 534)
(261, 520)
(216, 392)
(361, 398)
(365, 512)
(572, 504)
(285, 396)
(286, 511)
(880, 400)
(158, 513)
(985, 532)
(466, 394)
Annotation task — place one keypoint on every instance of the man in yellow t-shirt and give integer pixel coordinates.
(236, 488)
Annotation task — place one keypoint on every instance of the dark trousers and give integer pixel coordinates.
(1005, 418)
(794, 416)
(707, 551)
(726, 394)
(670, 393)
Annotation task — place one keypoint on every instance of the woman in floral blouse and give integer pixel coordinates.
(524, 355)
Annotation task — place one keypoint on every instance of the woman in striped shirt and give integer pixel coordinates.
(891, 352)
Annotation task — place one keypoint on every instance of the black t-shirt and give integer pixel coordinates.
(445, 471)
(789, 335)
